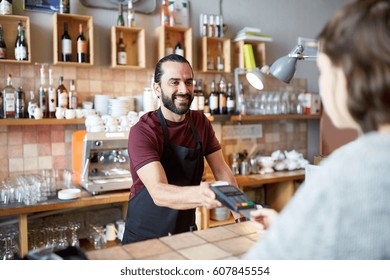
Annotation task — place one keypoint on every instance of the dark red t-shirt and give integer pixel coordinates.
(146, 140)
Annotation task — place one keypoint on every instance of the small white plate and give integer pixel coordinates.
(69, 193)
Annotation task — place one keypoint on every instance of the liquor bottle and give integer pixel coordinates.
(52, 96)
(194, 103)
(20, 44)
(62, 94)
(6, 7)
(120, 20)
(72, 95)
(66, 45)
(121, 50)
(213, 100)
(218, 26)
(3, 46)
(9, 99)
(241, 101)
(210, 60)
(20, 103)
(164, 13)
(220, 58)
(64, 7)
(81, 46)
(230, 100)
(222, 98)
(43, 98)
(179, 48)
(206, 108)
(204, 26)
(211, 31)
(172, 14)
(201, 97)
(130, 14)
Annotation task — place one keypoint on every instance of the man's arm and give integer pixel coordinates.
(220, 169)
(177, 197)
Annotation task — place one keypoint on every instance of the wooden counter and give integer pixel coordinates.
(223, 242)
(85, 200)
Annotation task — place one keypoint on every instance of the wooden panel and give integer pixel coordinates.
(258, 51)
(10, 24)
(134, 39)
(73, 22)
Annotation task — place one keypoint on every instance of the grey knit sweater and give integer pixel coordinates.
(343, 212)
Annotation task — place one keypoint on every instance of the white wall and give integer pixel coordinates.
(285, 20)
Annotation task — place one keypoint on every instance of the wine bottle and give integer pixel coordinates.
(121, 50)
(9, 99)
(72, 95)
(179, 48)
(20, 44)
(130, 14)
(120, 20)
(81, 46)
(201, 97)
(66, 45)
(3, 46)
(20, 103)
(52, 96)
(220, 58)
(64, 7)
(43, 99)
(213, 100)
(222, 98)
(62, 94)
(230, 100)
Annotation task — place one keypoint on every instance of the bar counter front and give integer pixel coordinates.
(218, 243)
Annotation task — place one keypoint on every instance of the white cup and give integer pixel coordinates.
(110, 232)
(60, 112)
(70, 114)
(97, 128)
(79, 113)
(38, 113)
(112, 128)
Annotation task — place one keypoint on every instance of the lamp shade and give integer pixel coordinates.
(256, 79)
(284, 68)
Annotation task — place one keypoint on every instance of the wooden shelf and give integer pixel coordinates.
(134, 39)
(208, 47)
(73, 22)
(258, 51)
(167, 38)
(251, 118)
(10, 24)
(41, 121)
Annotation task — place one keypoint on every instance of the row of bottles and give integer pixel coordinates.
(130, 15)
(219, 101)
(48, 98)
(82, 45)
(211, 25)
(21, 49)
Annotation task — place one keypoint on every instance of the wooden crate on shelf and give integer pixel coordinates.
(167, 37)
(73, 22)
(258, 51)
(134, 39)
(10, 32)
(208, 47)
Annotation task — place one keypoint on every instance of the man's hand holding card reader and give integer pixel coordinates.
(233, 198)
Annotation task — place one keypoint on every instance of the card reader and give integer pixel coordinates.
(233, 198)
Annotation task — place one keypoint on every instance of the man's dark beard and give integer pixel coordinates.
(170, 105)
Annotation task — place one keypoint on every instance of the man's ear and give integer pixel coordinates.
(157, 89)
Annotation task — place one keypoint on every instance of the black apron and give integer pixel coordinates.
(183, 167)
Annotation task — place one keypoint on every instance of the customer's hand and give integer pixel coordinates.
(207, 196)
(263, 217)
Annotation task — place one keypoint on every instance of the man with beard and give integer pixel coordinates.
(167, 148)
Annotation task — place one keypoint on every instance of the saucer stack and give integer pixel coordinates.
(101, 104)
(118, 107)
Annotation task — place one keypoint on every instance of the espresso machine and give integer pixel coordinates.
(100, 161)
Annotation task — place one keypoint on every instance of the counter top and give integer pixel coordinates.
(86, 199)
(223, 242)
